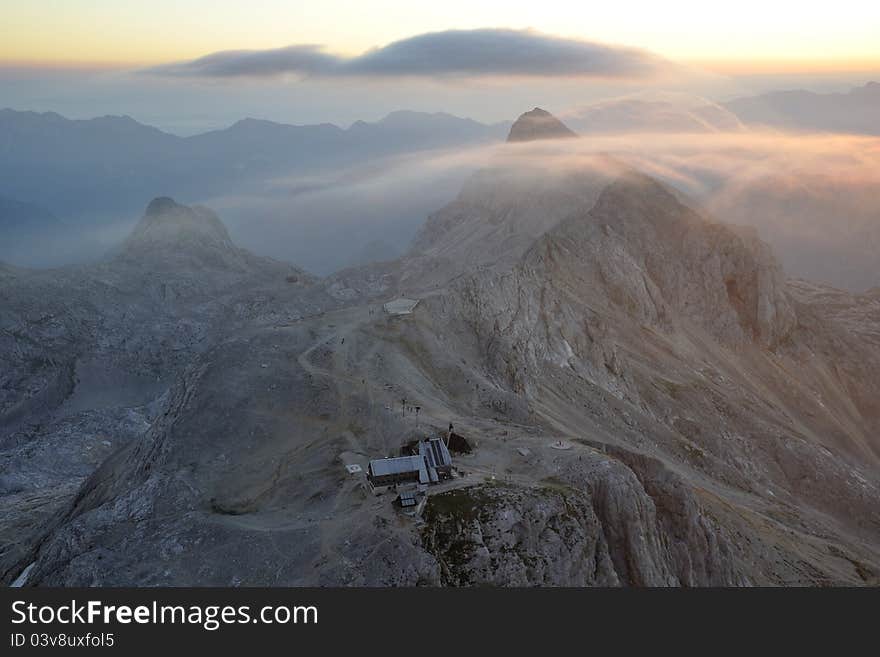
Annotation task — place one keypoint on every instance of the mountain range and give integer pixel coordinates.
(854, 112)
(292, 191)
(648, 399)
(103, 167)
(109, 165)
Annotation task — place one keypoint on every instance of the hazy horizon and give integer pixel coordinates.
(202, 66)
(625, 79)
(188, 108)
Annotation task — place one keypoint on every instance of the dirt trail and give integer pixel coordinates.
(347, 365)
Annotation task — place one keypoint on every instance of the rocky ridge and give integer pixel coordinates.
(538, 124)
(652, 403)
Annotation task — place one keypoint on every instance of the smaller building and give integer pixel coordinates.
(407, 499)
(400, 306)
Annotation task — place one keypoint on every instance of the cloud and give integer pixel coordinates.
(303, 60)
(454, 53)
(812, 197)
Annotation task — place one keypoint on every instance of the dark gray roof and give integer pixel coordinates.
(435, 452)
(400, 465)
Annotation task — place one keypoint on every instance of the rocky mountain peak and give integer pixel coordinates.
(618, 237)
(160, 205)
(170, 231)
(538, 124)
(648, 246)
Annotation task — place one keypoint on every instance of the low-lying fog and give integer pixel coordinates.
(815, 198)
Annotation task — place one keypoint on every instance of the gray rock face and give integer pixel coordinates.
(654, 258)
(635, 257)
(507, 536)
(85, 351)
(600, 524)
(499, 215)
(166, 222)
(649, 401)
(538, 124)
(677, 340)
(175, 237)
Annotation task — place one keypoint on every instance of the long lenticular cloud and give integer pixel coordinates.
(454, 53)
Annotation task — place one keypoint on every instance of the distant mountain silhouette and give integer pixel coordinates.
(856, 111)
(110, 166)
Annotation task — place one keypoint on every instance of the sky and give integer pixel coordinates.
(747, 33)
(191, 65)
